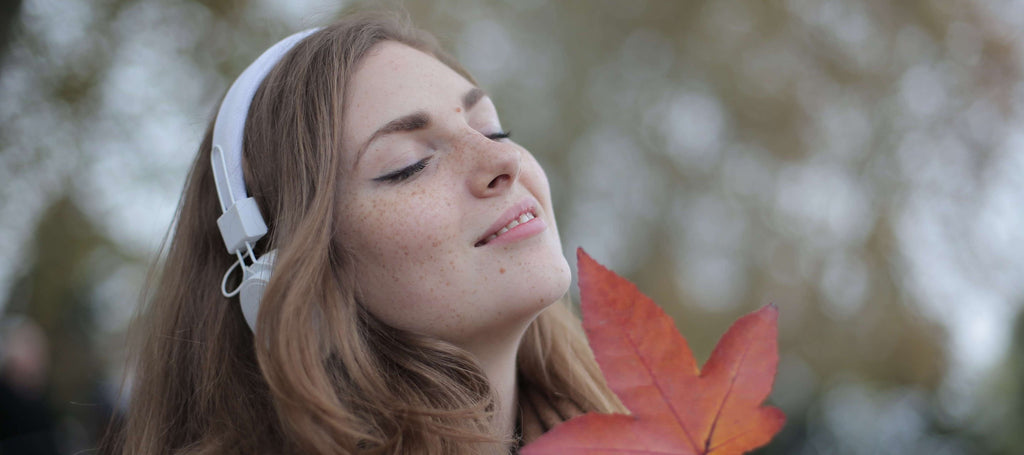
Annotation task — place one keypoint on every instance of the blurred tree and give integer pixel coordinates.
(1001, 417)
(70, 258)
(8, 18)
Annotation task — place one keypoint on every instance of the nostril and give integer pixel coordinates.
(497, 180)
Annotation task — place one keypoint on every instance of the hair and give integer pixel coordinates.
(323, 376)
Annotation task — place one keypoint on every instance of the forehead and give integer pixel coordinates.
(394, 80)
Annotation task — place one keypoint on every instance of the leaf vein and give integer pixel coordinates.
(654, 381)
(728, 440)
(725, 398)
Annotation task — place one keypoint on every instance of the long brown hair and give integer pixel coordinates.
(322, 375)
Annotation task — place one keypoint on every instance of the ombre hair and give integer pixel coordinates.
(322, 376)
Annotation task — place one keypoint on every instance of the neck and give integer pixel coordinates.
(502, 376)
(497, 358)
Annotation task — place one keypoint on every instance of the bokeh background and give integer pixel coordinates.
(858, 163)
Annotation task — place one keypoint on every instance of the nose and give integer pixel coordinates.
(495, 166)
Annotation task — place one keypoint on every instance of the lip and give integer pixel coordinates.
(521, 231)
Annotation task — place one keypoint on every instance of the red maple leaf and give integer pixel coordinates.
(676, 407)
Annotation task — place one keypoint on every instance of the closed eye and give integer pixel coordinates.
(499, 135)
(404, 173)
(410, 171)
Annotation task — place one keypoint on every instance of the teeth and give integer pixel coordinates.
(516, 222)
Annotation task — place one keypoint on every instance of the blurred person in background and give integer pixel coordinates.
(27, 425)
(416, 302)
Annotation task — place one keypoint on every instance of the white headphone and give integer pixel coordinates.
(242, 225)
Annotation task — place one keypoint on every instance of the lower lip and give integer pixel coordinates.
(520, 232)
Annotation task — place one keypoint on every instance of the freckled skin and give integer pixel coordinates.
(414, 241)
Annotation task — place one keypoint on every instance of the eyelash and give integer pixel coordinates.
(407, 172)
(404, 173)
(500, 135)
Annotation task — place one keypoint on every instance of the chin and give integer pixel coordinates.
(539, 276)
(550, 281)
(563, 278)
(523, 294)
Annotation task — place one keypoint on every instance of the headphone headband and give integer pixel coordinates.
(241, 222)
(241, 225)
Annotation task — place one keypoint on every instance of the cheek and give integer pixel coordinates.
(400, 240)
(402, 227)
(408, 264)
(533, 176)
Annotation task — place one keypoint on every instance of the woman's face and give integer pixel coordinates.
(429, 181)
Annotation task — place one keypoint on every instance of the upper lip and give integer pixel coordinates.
(524, 206)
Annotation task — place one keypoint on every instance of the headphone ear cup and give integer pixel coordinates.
(255, 282)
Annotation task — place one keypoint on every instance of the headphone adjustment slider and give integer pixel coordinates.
(241, 224)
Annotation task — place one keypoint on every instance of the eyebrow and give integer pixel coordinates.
(471, 97)
(416, 121)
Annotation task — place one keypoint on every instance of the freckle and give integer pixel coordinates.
(501, 270)
(458, 109)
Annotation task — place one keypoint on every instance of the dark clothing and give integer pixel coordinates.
(26, 424)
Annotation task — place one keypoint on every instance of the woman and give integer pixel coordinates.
(415, 301)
